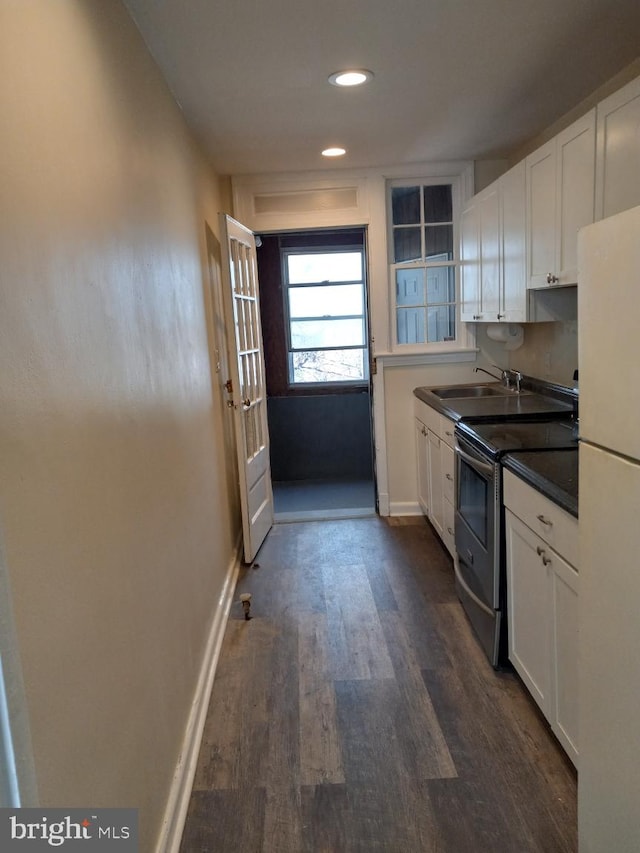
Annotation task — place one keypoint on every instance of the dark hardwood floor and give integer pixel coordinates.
(356, 712)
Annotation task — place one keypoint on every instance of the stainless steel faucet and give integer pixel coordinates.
(488, 372)
(506, 376)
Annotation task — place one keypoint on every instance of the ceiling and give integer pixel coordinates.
(454, 79)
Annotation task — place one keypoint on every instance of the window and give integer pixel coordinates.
(326, 318)
(423, 263)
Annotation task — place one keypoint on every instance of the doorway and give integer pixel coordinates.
(313, 293)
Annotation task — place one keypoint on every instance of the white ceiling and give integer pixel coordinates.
(454, 79)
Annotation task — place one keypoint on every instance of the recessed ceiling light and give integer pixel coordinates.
(351, 77)
(334, 152)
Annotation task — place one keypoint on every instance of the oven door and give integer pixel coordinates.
(477, 562)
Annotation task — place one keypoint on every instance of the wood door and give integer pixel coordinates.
(247, 381)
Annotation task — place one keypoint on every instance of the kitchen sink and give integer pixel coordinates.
(470, 391)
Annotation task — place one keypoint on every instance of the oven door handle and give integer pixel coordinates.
(470, 592)
(481, 467)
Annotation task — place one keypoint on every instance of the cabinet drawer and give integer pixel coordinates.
(446, 430)
(428, 415)
(554, 525)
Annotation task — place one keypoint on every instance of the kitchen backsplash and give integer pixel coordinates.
(549, 351)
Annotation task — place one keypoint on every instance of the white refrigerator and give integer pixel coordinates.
(609, 524)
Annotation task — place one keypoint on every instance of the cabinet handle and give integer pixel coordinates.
(450, 531)
(552, 279)
(449, 477)
(501, 316)
(477, 316)
(544, 521)
(542, 553)
(446, 432)
(424, 431)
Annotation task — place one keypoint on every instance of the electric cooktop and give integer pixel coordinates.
(496, 439)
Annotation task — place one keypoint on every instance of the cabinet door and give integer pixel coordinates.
(489, 205)
(448, 533)
(422, 453)
(564, 654)
(541, 208)
(576, 167)
(618, 151)
(513, 245)
(447, 456)
(528, 609)
(470, 264)
(435, 482)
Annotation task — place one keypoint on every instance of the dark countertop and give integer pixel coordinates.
(527, 404)
(554, 473)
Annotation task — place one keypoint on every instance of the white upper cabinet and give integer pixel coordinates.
(470, 263)
(489, 203)
(493, 252)
(560, 195)
(541, 204)
(513, 245)
(618, 151)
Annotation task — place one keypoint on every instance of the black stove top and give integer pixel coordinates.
(496, 439)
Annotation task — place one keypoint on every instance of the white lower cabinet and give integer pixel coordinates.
(435, 482)
(422, 453)
(434, 451)
(542, 605)
(447, 460)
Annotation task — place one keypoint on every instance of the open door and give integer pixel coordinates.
(246, 385)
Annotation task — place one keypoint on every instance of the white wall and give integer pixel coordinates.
(118, 526)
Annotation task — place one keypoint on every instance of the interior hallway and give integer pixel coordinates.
(356, 712)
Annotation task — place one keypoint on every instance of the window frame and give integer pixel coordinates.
(460, 341)
(337, 249)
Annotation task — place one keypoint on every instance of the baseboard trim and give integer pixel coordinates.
(180, 793)
(383, 503)
(405, 508)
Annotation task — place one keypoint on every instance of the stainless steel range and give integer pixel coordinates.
(479, 517)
